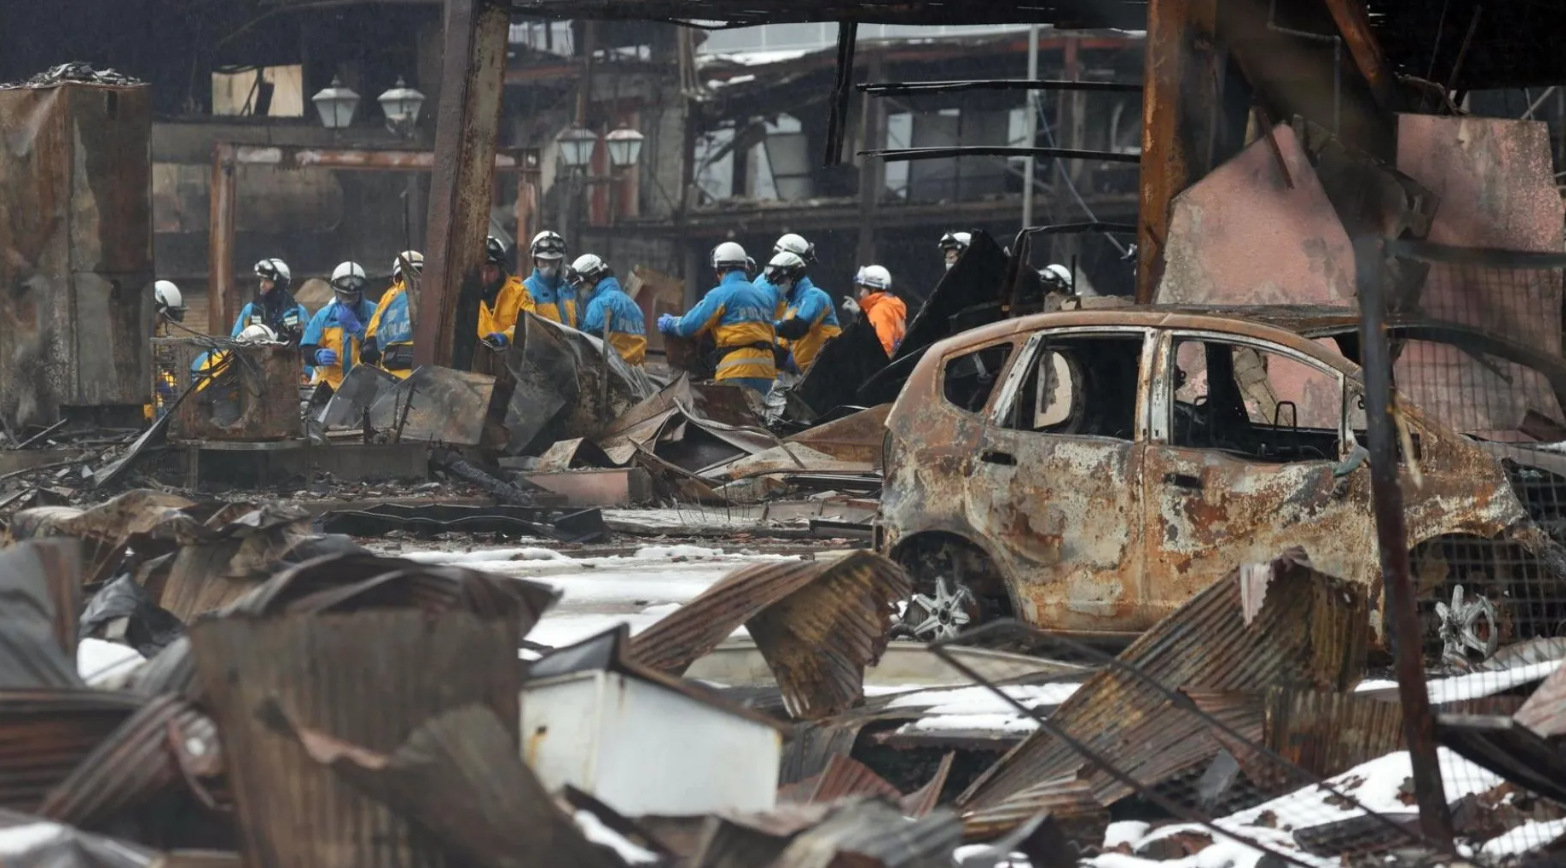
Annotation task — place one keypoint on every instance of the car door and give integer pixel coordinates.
(1055, 483)
(1249, 454)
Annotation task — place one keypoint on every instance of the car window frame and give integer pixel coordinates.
(1161, 404)
(1024, 359)
(946, 360)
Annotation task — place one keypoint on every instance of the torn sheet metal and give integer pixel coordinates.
(435, 405)
(1311, 632)
(39, 591)
(858, 437)
(1545, 710)
(844, 364)
(134, 518)
(818, 623)
(458, 775)
(1068, 800)
(361, 388)
(565, 384)
(843, 777)
(369, 678)
(166, 744)
(45, 734)
(783, 459)
(222, 558)
(1507, 748)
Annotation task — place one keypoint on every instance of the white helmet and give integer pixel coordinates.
(586, 270)
(786, 265)
(548, 245)
(874, 276)
(256, 334)
(797, 245)
(728, 255)
(1056, 274)
(275, 270)
(956, 240)
(168, 299)
(415, 259)
(349, 278)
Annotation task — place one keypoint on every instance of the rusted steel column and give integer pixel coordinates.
(222, 291)
(1435, 819)
(1354, 23)
(462, 183)
(1180, 102)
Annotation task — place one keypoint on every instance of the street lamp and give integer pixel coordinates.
(401, 106)
(336, 105)
(625, 146)
(576, 146)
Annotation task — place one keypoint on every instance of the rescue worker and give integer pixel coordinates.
(333, 339)
(809, 318)
(210, 363)
(607, 312)
(553, 297)
(388, 339)
(789, 243)
(169, 306)
(885, 312)
(1056, 278)
(505, 297)
(274, 306)
(953, 245)
(739, 315)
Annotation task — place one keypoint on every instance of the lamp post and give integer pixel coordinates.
(336, 105)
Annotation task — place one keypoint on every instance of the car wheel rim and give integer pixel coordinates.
(942, 615)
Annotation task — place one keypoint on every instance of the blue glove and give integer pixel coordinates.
(499, 339)
(325, 356)
(349, 320)
(667, 322)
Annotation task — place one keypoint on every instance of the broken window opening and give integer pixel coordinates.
(1260, 405)
(968, 380)
(1080, 386)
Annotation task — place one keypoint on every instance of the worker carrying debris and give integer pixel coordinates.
(334, 337)
(274, 306)
(388, 341)
(953, 245)
(608, 312)
(809, 318)
(739, 315)
(553, 296)
(505, 297)
(885, 312)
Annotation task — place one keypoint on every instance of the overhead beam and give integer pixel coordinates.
(462, 180)
(894, 88)
(1180, 106)
(222, 289)
(1354, 24)
(288, 157)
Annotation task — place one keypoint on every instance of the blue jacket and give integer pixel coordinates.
(554, 299)
(739, 314)
(627, 323)
(326, 331)
(290, 318)
(780, 300)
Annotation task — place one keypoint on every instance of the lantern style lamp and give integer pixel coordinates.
(336, 105)
(625, 147)
(401, 106)
(576, 146)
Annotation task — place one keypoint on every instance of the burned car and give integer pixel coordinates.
(1088, 472)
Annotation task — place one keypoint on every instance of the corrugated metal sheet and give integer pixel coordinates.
(1310, 632)
(1545, 710)
(1069, 800)
(173, 670)
(922, 801)
(45, 734)
(873, 833)
(370, 679)
(818, 623)
(843, 777)
(1329, 733)
(150, 751)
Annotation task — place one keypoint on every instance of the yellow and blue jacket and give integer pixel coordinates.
(509, 303)
(817, 323)
(608, 305)
(326, 332)
(739, 314)
(553, 299)
(391, 328)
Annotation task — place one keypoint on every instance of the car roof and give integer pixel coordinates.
(1307, 321)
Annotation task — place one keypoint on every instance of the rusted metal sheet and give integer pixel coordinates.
(104, 530)
(45, 734)
(372, 679)
(843, 777)
(818, 623)
(626, 486)
(166, 742)
(1502, 171)
(1067, 799)
(75, 250)
(242, 392)
(922, 801)
(221, 559)
(1545, 710)
(1195, 513)
(467, 127)
(37, 605)
(1354, 23)
(857, 437)
(1309, 631)
(348, 158)
(565, 385)
(1243, 206)
(1328, 733)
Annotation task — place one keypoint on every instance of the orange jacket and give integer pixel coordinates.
(888, 315)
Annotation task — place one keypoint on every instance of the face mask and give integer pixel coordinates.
(549, 271)
(349, 299)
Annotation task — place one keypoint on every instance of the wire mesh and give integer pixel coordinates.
(1475, 339)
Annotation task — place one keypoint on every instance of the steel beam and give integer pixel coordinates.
(287, 157)
(462, 185)
(1354, 24)
(222, 290)
(911, 88)
(903, 154)
(1180, 102)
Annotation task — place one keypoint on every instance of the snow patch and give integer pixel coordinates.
(99, 662)
(485, 556)
(1489, 683)
(1125, 832)
(595, 830)
(18, 840)
(677, 551)
(982, 700)
(1529, 836)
